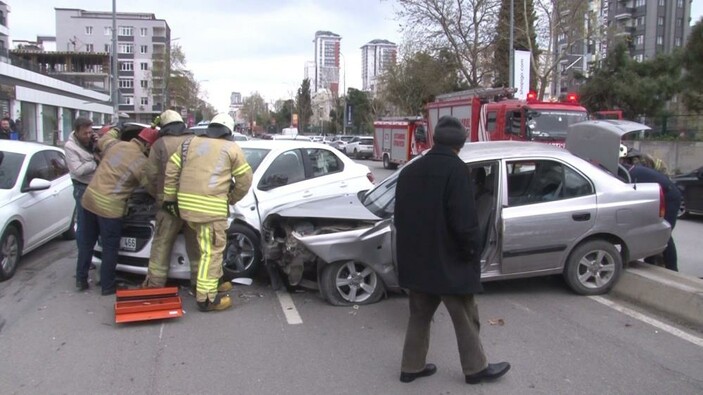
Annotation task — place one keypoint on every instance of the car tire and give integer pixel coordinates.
(10, 252)
(355, 155)
(70, 234)
(682, 213)
(593, 267)
(350, 283)
(242, 254)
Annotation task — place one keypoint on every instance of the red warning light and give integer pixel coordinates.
(531, 96)
(572, 98)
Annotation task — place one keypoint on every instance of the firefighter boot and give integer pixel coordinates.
(226, 286)
(220, 303)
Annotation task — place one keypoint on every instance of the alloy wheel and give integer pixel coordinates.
(596, 269)
(356, 282)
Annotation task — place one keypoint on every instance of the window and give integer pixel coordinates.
(640, 3)
(142, 31)
(57, 164)
(38, 168)
(640, 21)
(491, 121)
(126, 66)
(679, 3)
(660, 40)
(144, 83)
(124, 31)
(660, 21)
(89, 48)
(107, 47)
(677, 41)
(531, 182)
(108, 31)
(324, 162)
(639, 39)
(144, 101)
(88, 30)
(286, 169)
(143, 49)
(679, 22)
(127, 100)
(143, 66)
(10, 168)
(126, 83)
(125, 48)
(662, 3)
(638, 58)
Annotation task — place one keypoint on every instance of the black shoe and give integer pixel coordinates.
(109, 291)
(82, 285)
(429, 370)
(492, 372)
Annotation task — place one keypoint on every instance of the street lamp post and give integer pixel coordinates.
(113, 53)
(344, 119)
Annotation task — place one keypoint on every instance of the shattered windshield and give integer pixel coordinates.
(553, 124)
(381, 199)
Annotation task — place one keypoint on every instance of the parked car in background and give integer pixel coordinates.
(199, 130)
(298, 137)
(284, 171)
(340, 142)
(36, 200)
(691, 186)
(360, 147)
(541, 211)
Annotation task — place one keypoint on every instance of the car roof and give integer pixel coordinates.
(491, 150)
(26, 147)
(281, 144)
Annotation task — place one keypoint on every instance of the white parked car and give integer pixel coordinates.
(360, 148)
(284, 171)
(36, 200)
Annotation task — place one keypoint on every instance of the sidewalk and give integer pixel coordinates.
(671, 293)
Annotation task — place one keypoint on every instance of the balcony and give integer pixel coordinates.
(623, 14)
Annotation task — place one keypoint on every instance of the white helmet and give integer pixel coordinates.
(623, 151)
(169, 116)
(224, 120)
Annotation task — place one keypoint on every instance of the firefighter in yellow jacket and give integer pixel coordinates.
(173, 133)
(105, 200)
(198, 188)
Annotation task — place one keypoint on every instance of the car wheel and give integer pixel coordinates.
(593, 267)
(348, 283)
(242, 255)
(10, 251)
(682, 210)
(70, 234)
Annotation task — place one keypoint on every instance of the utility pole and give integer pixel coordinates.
(346, 99)
(113, 53)
(511, 65)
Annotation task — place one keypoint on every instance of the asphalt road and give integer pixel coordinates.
(55, 340)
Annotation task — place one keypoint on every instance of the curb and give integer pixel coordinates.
(669, 292)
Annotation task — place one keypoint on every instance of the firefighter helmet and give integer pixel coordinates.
(220, 126)
(149, 135)
(169, 116)
(623, 151)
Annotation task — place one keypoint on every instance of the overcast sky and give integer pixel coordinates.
(246, 45)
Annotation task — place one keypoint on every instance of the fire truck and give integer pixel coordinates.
(399, 139)
(490, 114)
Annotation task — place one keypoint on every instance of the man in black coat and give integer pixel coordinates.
(438, 253)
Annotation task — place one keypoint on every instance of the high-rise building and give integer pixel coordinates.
(327, 55)
(143, 46)
(235, 105)
(309, 73)
(4, 30)
(376, 56)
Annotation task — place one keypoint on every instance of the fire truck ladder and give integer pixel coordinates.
(482, 93)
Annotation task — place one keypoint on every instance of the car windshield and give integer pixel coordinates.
(553, 124)
(381, 199)
(10, 164)
(255, 156)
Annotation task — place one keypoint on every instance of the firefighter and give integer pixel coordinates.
(173, 132)
(105, 201)
(198, 188)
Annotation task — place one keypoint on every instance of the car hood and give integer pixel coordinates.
(347, 206)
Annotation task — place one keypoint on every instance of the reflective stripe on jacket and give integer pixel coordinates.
(203, 186)
(117, 177)
(155, 168)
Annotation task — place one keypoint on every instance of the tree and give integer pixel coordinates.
(283, 113)
(525, 39)
(692, 61)
(181, 89)
(638, 89)
(254, 110)
(361, 116)
(304, 105)
(418, 78)
(457, 26)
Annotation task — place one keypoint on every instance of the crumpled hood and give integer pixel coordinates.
(345, 206)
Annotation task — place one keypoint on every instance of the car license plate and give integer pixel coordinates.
(128, 244)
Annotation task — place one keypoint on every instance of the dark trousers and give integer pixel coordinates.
(109, 230)
(464, 314)
(669, 254)
(78, 191)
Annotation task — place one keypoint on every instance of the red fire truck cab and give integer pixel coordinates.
(397, 140)
(489, 114)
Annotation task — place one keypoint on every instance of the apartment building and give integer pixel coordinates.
(327, 54)
(376, 56)
(4, 30)
(143, 46)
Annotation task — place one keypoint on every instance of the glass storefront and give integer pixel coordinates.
(29, 121)
(68, 117)
(50, 124)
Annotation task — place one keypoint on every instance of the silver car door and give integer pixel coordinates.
(547, 205)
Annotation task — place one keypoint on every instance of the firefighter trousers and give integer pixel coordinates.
(212, 239)
(167, 229)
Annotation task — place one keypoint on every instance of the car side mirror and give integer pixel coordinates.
(37, 184)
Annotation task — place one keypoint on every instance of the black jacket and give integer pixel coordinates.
(437, 245)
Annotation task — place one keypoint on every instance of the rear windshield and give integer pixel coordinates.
(10, 168)
(366, 142)
(255, 156)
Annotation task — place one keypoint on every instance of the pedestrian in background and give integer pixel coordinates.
(438, 252)
(6, 130)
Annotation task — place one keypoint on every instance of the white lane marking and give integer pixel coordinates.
(289, 309)
(649, 320)
(161, 331)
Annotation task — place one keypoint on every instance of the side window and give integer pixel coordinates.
(514, 122)
(544, 181)
(575, 184)
(286, 169)
(38, 168)
(323, 162)
(57, 164)
(491, 121)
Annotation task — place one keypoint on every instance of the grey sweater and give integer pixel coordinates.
(80, 160)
